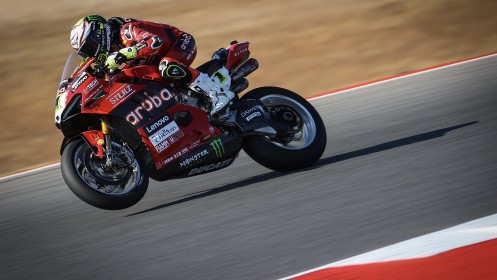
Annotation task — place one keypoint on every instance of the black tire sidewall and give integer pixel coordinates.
(92, 196)
(277, 158)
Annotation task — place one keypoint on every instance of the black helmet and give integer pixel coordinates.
(91, 37)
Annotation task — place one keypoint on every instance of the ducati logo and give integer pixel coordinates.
(210, 167)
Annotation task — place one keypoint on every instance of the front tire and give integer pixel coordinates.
(110, 188)
(307, 145)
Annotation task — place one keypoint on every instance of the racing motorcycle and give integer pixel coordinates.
(123, 128)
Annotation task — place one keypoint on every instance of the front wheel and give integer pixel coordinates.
(108, 186)
(298, 146)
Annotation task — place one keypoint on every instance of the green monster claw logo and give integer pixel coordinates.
(218, 147)
(95, 18)
(101, 58)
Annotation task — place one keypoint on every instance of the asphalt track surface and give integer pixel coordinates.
(405, 157)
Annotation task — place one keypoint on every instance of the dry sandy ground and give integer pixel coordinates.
(310, 46)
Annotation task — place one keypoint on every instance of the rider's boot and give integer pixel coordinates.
(217, 87)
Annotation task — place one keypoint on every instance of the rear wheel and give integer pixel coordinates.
(299, 143)
(108, 186)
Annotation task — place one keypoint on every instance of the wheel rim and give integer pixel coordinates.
(108, 180)
(308, 132)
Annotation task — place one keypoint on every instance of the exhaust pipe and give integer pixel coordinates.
(245, 69)
(240, 86)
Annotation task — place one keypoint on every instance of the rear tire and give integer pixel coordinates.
(294, 155)
(105, 188)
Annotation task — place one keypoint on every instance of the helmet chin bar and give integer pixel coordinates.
(96, 41)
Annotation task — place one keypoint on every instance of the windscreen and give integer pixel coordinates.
(73, 62)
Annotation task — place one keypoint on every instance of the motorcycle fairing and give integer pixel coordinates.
(237, 54)
(95, 139)
(170, 130)
(251, 116)
(177, 136)
(176, 132)
(201, 157)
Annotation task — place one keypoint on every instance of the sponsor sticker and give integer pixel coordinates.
(218, 147)
(176, 136)
(194, 159)
(90, 86)
(210, 167)
(253, 115)
(194, 144)
(160, 138)
(242, 51)
(163, 163)
(81, 79)
(157, 124)
(247, 112)
(161, 146)
(118, 96)
(151, 103)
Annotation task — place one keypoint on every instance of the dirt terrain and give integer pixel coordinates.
(310, 47)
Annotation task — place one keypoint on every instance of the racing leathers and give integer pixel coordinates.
(172, 50)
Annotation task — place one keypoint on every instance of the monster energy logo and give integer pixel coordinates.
(102, 57)
(218, 147)
(95, 18)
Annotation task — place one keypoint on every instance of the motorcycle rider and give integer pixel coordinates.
(125, 40)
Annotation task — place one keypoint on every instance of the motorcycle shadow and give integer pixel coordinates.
(391, 145)
(322, 162)
(236, 185)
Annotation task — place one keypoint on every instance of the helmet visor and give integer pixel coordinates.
(91, 44)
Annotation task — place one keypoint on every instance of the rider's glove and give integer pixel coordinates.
(115, 59)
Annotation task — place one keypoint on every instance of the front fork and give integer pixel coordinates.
(107, 138)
